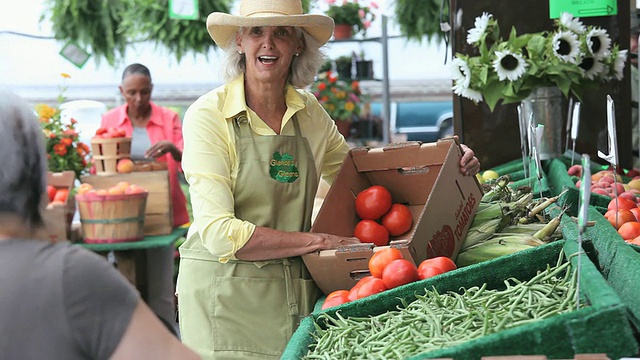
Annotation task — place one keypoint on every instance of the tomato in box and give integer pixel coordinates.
(423, 176)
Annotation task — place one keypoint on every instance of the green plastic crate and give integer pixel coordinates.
(516, 171)
(618, 261)
(601, 327)
(559, 180)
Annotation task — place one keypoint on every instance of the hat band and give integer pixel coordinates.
(265, 14)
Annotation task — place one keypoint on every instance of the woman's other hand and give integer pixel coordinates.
(163, 147)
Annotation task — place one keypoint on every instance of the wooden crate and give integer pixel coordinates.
(158, 211)
(57, 219)
(107, 153)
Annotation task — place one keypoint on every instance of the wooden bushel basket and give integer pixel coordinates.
(112, 218)
(107, 152)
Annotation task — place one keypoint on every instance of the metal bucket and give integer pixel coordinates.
(545, 104)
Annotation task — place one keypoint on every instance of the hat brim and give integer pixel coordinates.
(222, 26)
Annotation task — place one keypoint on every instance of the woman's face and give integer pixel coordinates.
(268, 52)
(136, 90)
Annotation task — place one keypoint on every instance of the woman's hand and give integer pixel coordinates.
(162, 147)
(469, 163)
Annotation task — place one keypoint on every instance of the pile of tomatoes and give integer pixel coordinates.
(623, 213)
(57, 195)
(380, 218)
(388, 270)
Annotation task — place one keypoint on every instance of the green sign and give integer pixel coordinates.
(183, 9)
(75, 54)
(582, 8)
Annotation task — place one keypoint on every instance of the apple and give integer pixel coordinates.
(124, 166)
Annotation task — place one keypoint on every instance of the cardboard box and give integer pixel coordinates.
(158, 218)
(425, 177)
(57, 219)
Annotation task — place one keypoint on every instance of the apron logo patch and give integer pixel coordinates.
(282, 168)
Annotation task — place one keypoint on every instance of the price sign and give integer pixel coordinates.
(582, 8)
(183, 9)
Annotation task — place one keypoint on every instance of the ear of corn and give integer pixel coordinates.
(497, 246)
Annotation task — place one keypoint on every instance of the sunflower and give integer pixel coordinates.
(598, 43)
(460, 72)
(509, 65)
(566, 46)
(591, 67)
(482, 22)
(568, 22)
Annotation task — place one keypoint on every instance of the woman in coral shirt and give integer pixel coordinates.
(156, 133)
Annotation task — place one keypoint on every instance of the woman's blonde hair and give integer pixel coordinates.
(304, 67)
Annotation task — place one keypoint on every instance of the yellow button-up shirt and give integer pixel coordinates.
(210, 162)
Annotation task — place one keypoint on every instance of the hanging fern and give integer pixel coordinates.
(107, 27)
(148, 20)
(419, 18)
(93, 24)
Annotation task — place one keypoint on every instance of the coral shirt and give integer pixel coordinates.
(164, 124)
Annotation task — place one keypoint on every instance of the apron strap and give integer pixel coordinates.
(291, 295)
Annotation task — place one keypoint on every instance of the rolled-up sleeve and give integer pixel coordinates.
(207, 163)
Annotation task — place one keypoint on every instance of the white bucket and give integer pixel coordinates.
(87, 113)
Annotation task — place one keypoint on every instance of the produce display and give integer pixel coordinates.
(435, 321)
(508, 220)
(57, 195)
(380, 217)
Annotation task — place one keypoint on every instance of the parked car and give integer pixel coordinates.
(425, 121)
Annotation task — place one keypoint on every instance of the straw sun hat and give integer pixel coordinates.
(222, 27)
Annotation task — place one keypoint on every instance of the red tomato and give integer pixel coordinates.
(370, 287)
(369, 231)
(397, 220)
(101, 131)
(335, 301)
(636, 213)
(381, 259)
(442, 262)
(353, 293)
(373, 202)
(399, 272)
(51, 192)
(337, 293)
(61, 195)
(425, 272)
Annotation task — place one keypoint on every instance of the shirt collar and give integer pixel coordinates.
(153, 118)
(235, 102)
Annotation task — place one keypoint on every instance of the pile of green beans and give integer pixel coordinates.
(435, 321)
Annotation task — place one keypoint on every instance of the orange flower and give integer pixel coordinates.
(66, 141)
(322, 86)
(60, 149)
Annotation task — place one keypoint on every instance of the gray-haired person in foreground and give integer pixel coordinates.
(60, 301)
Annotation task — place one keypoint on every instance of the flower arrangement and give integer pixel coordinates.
(352, 13)
(341, 99)
(64, 149)
(573, 57)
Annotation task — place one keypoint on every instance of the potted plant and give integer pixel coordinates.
(573, 58)
(64, 149)
(341, 99)
(351, 17)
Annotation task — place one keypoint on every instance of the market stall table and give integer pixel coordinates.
(130, 258)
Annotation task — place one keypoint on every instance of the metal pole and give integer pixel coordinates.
(386, 109)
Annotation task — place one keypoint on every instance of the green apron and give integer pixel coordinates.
(249, 310)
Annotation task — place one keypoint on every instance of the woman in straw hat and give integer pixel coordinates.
(71, 301)
(254, 152)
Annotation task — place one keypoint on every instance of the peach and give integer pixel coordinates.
(84, 188)
(124, 166)
(634, 184)
(135, 189)
(575, 170)
(114, 190)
